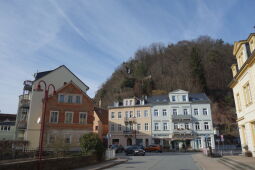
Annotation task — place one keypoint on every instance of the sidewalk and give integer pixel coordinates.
(207, 163)
(239, 162)
(104, 165)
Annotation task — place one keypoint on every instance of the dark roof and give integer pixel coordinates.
(198, 97)
(158, 99)
(193, 97)
(102, 114)
(4, 117)
(41, 74)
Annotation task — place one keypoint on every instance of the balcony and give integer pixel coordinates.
(130, 120)
(128, 133)
(182, 118)
(182, 134)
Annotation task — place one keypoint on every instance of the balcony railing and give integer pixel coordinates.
(182, 134)
(182, 118)
(130, 120)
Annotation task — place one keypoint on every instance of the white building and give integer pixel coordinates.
(182, 119)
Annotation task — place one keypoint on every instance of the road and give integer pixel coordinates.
(158, 161)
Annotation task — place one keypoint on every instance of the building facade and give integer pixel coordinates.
(7, 126)
(243, 85)
(69, 115)
(100, 124)
(58, 77)
(181, 119)
(130, 122)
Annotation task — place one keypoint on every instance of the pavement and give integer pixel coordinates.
(239, 162)
(104, 165)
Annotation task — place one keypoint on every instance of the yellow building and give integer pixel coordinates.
(243, 85)
(130, 123)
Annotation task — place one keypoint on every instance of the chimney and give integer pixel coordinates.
(100, 103)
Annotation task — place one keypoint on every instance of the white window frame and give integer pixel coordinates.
(85, 119)
(70, 138)
(138, 127)
(165, 126)
(155, 111)
(187, 113)
(187, 126)
(119, 115)
(205, 109)
(112, 128)
(145, 113)
(138, 112)
(119, 127)
(176, 111)
(51, 115)
(65, 117)
(174, 98)
(146, 126)
(197, 126)
(196, 113)
(206, 126)
(156, 129)
(164, 112)
(112, 115)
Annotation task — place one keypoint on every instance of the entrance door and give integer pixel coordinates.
(146, 142)
(129, 141)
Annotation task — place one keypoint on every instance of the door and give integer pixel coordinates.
(129, 141)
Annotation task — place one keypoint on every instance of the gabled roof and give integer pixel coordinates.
(179, 91)
(44, 73)
(102, 114)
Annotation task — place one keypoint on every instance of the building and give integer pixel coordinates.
(182, 119)
(100, 124)
(23, 109)
(130, 122)
(69, 115)
(174, 120)
(243, 85)
(60, 108)
(7, 126)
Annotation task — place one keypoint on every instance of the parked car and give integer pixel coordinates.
(135, 150)
(117, 148)
(151, 148)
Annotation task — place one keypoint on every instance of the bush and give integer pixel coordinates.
(91, 143)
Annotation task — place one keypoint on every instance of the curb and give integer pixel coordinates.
(110, 165)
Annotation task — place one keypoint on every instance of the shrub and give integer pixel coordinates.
(91, 143)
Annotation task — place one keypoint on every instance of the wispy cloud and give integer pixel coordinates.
(93, 37)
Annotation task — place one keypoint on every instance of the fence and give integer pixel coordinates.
(222, 152)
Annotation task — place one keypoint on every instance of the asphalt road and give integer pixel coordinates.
(158, 161)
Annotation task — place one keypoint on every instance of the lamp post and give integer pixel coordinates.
(45, 99)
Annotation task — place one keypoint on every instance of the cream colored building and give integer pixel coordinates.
(130, 123)
(243, 85)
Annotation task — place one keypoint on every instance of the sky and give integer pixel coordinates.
(93, 37)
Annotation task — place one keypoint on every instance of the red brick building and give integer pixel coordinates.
(69, 115)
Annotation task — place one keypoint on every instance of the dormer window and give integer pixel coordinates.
(184, 98)
(173, 98)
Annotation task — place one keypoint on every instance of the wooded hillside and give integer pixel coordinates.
(201, 65)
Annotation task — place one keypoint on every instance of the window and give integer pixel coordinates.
(138, 126)
(112, 115)
(130, 102)
(185, 111)
(70, 99)
(184, 98)
(206, 125)
(61, 98)
(204, 111)
(138, 113)
(164, 112)
(5, 128)
(195, 111)
(247, 94)
(126, 103)
(186, 126)
(119, 127)
(131, 114)
(67, 139)
(145, 113)
(146, 126)
(54, 117)
(175, 126)
(208, 142)
(83, 118)
(173, 98)
(119, 115)
(164, 126)
(112, 128)
(155, 112)
(78, 99)
(69, 117)
(126, 114)
(51, 139)
(156, 127)
(239, 107)
(175, 112)
(197, 126)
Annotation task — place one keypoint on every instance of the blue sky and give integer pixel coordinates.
(92, 37)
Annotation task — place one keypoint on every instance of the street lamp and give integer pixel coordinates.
(45, 99)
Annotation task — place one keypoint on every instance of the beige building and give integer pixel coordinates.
(243, 85)
(130, 123)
